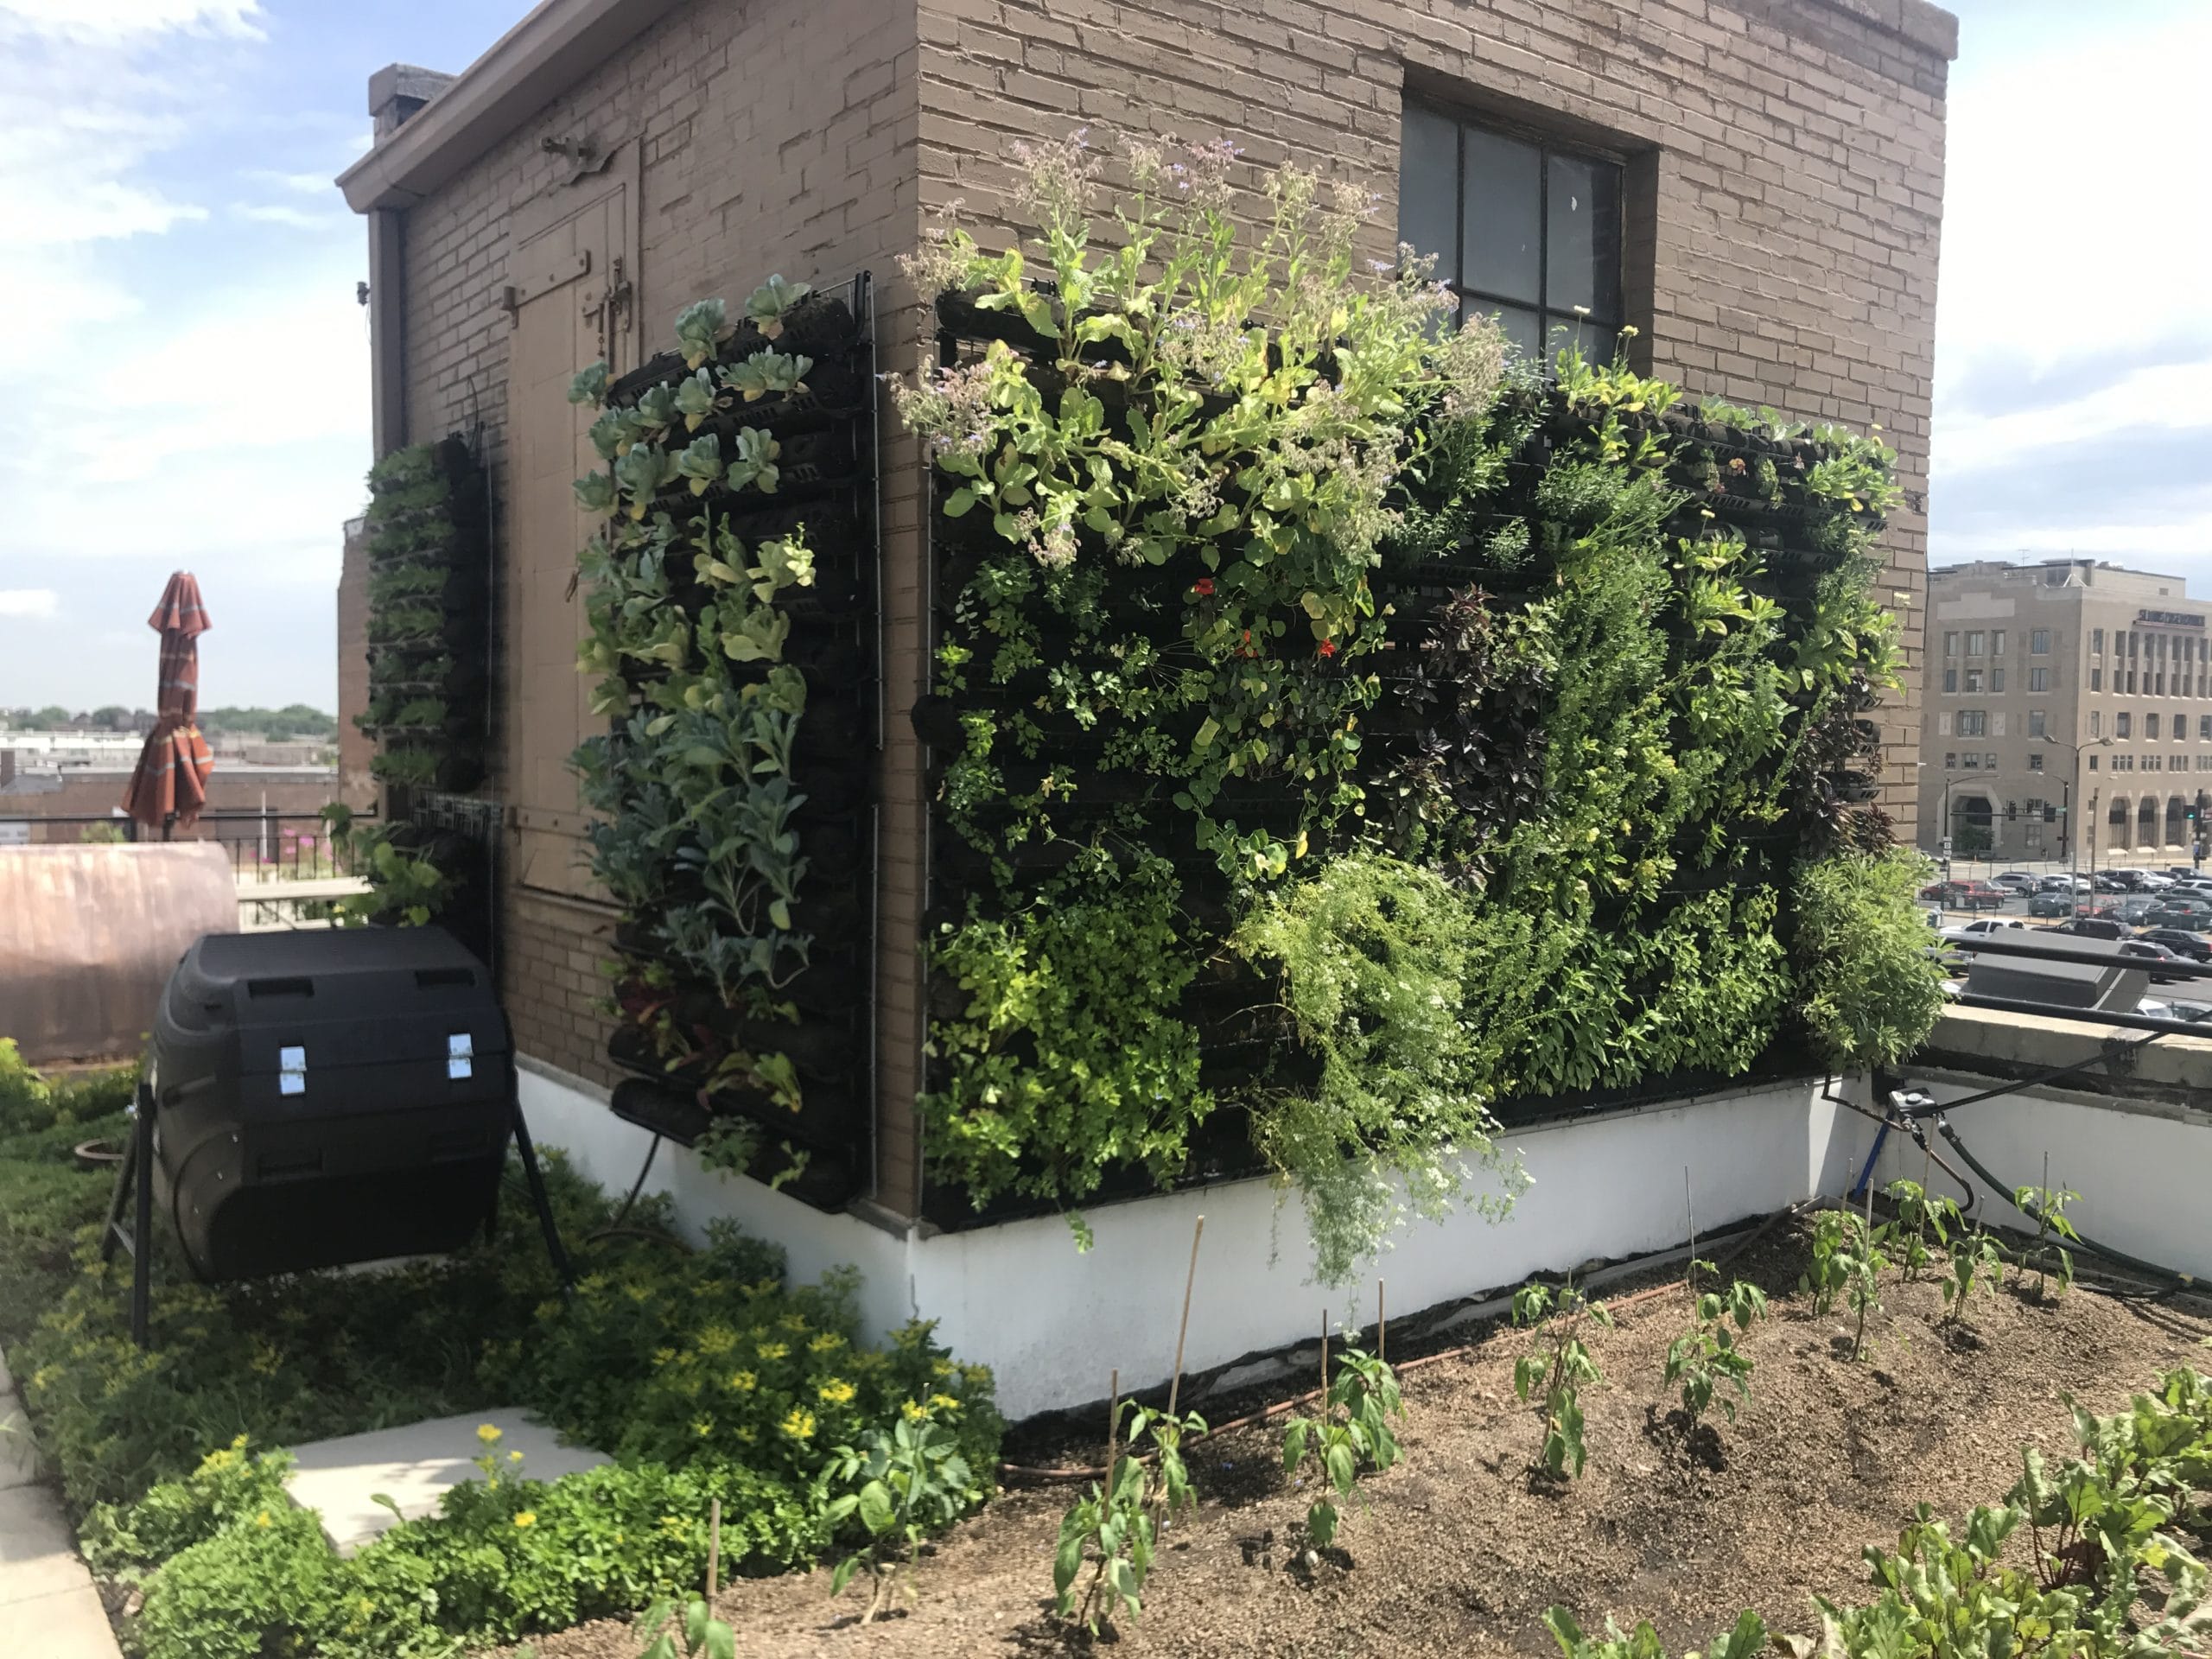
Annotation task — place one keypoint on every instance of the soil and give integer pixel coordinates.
(1460, 1549)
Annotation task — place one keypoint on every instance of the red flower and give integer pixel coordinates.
(1203, 587)
(1328, 647)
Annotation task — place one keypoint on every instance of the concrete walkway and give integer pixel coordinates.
(47, 1605)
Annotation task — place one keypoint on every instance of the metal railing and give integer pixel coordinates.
(263, 846)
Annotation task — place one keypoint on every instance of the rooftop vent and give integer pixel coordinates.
(397, 90)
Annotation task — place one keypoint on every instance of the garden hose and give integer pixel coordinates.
(2150, 1270)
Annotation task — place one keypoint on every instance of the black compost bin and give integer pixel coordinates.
(328, 1097)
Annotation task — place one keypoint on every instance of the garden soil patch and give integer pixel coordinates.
(1459, 1549)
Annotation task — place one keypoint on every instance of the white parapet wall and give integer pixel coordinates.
(2138, 1148)
(1051, 1320)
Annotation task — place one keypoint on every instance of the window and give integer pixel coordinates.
(2034, 722)
(1997, 678)
(2097, 679)
(2122, 725)
(2096, 724)
(2204, 728)
(2092, 763)
(2038, 642)
(1950, 679)
(1973, 723)
(1950, 644)
(1974, 679)
(2035, 760)
(1997, 642)
(1518, 227)
(1989, 761)
(1950, 761)
(2096, 642)
(1977, 642)
(1972, 763)
(2152, 763)
(2038, 679)
(2150, 726)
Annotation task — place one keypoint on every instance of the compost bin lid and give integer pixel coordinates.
(361, 994)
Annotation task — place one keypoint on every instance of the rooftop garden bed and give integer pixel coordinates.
(1466, 1544)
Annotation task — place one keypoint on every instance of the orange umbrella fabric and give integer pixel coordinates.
(171, 779)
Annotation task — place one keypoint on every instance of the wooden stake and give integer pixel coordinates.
(1325, 1362)
(714, 1549)
(1382, 1325)
(1113, 1419)
(1175, 1389)
(1690, 1211)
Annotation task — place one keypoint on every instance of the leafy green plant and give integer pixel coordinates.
(1116, 1527)
(1921, 1218)
(1975, 1258)
(690, 1632)
(1558, 1368)
(1746, 1639)
(1871, 990)
(767, 373)
(767, 306)
(1708, 1351)
(902, 1485)
(1352, 1432)
(2048, 1205)
(1847, 1260)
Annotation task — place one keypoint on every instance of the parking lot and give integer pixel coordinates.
(2152, 916)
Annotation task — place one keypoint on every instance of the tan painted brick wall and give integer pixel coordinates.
(776, 134)
(1798, 147)
(355, 786)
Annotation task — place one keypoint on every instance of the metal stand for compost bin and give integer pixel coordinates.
(134, 1186)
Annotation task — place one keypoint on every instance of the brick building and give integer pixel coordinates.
(1755, 184)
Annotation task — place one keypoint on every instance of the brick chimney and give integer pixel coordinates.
(397, 90)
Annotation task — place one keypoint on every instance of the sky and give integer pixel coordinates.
(184, 368)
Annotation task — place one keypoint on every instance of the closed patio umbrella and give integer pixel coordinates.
(170, 784)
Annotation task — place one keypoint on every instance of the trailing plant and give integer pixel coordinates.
(1557, 1367)
(1708, 1351)
(902, 1485)
(1871, 990)
(1352, 1432)
(406, 884)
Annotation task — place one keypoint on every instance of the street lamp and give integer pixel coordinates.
(2069, 785)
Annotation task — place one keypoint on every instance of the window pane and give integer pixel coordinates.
(1584, 208)
(1596, 341)
(1429, 187)
(1504, 200)
(1521, 331)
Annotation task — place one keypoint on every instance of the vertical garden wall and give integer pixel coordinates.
(732, 599)
(1339, 732)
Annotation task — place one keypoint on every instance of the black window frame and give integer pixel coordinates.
(1472, 301)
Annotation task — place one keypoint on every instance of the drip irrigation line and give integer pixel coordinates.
(2037, 1079)
(636, 1186)
(2173, 1277)
(1672, 1287)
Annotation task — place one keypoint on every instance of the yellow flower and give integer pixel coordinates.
(800, 1424)
(743, 1381)
(717, 1339)
(261, 1520)
(771, 1351)
(744, 1434)
(525, 1518)
(940, 1368)
(662, 1356)
(828, 1342)
(945, 1403)
(638, 1294)
(915, 1413)
(837, 1391)
(793, 1321)
(488, 1433)
(703, 1428)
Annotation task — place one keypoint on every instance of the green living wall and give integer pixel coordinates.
(1338, 728)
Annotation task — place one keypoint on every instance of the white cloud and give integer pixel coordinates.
(28, 602)
(277, 212)
(117, 20)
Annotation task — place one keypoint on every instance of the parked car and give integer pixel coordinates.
(2065, 884)
(2179, 940)
(2155, 953)
(2183, 871)
(2095, 927)
(2187, 913)
(1968, 895)
(2195, 887)
(2130, 910)
(2018, 880)
(1985, 924)
(2117, 881)
(2143, 880)
(2055, 901)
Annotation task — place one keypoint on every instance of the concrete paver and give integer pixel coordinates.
(415, 1466)
(38, 1554)
(19, 1465)
(48, 1607)
(68, 1624)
